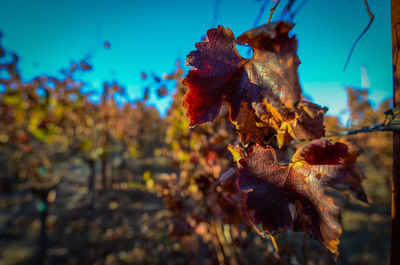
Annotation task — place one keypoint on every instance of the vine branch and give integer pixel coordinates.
(371, 19)
(272, 239)
(372, 128)
(391, 123)
(300, 6)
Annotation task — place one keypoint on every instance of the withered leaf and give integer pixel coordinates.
(339, 170)
(237, 153)
(275, 62)
(308, 123)
(263, 93)
(250, 127)
(292, 197)
(216, 61)
(269, 191)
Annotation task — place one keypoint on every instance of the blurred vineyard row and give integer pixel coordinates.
(114, 182)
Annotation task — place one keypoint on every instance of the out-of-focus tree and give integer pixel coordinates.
(33, 133)
(376, 148)
(50, 119)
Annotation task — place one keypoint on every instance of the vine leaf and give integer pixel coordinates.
(216, 61)
(263, 93)
(275, 62)
(340, 169)
(292, 197)
(250, 126)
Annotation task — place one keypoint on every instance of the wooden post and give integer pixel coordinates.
(395, 241)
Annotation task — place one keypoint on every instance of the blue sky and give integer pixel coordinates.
(149, 36)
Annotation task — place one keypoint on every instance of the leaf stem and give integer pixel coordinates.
(271, 238)
(273, 241)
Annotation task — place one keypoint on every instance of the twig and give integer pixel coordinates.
(216, 13)
(373, 128)
(287, 8)
(300, 6)
(272, 239)
(272, 10)
(260, 12)
(371, 18)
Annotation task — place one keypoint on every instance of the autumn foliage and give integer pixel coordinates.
(263, 93)
(265, 105)
(240, 158)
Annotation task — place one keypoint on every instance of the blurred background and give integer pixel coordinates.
(97, 161)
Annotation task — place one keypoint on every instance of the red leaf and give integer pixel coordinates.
(263, 92)
(275, 62)
(216, 61)
(339, 165)
(268, 193)
(292, 197)
(250, 126)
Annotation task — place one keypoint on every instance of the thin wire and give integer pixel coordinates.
(287, 8)
(380, 127)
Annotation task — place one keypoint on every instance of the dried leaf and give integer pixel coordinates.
(237, 154)
(263, 92)
(339, 165)
(250, 127)
(292, 197)
(275, 62)
(216, 61)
